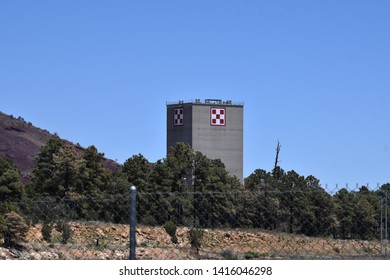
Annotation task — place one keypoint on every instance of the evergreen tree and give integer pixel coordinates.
(178, 165)
(11, 192)
(116, 199)
(263, 203)
(138, 170)
(383, 190)
(155, 206)
(344, 210)
(66, 176)
(366, 214)
(294, 205)
(44, 179)
(322, 209)
(95, 176)
(11, 189)
(216, 201)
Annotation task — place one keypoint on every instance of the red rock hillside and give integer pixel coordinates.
(20, 141)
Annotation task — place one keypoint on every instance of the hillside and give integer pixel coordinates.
(21, 141)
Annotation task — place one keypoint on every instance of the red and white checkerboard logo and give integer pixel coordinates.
(178, 115)
(218, 116)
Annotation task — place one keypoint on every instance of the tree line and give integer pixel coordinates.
(186, 188)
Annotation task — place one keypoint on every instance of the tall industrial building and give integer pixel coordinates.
(212, 127)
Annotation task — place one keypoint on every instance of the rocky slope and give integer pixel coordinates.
(20, 141)
(110, 241)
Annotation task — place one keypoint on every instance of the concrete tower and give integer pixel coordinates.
(213, 127)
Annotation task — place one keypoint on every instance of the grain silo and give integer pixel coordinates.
(213, 127)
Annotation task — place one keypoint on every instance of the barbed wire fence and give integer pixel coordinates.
(267, 224)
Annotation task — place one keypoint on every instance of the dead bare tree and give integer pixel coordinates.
(278, 146)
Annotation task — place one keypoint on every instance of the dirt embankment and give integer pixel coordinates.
(111, 241)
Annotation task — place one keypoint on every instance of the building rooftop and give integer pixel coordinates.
(206, 102)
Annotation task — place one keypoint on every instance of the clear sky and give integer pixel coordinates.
(314, 75)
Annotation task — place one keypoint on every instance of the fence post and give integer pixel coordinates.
(381, 228)
(133, 216)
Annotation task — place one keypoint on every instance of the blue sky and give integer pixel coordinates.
(312, 74)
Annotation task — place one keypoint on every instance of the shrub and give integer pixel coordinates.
(254, 255)
(3, 226)
(66, 231)
(170, 227)
(195, 235)
(47, 231)
(8, 207)
(16, 229)
(174, 239)
(228, 254)
(148, 220)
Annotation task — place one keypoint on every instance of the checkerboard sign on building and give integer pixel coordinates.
(178, 116)
(218, 116)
